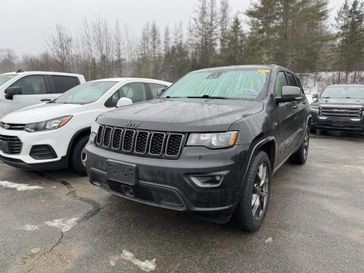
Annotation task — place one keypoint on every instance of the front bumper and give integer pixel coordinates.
(168, 184)
(58, 140)
(18, 163)
(337, 123)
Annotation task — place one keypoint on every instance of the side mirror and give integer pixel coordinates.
(124, 102)
(315, 97)
(11, 92)
(290, 93)
(160, 92)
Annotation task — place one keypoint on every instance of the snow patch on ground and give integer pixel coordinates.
(63, 224)
(269, 240)
(35, 250)
(30, 228)
(19, 187)
(147, 265)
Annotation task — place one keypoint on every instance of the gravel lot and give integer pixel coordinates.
(315, 223)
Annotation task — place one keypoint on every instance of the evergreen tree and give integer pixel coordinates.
(205, 33)
(350, 37)
(232, 52)
(287, 32)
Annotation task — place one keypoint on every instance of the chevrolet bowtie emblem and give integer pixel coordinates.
(6, 126)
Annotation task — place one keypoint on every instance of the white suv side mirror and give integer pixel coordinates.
(124, 102)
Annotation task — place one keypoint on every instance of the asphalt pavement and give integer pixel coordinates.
(58, 222)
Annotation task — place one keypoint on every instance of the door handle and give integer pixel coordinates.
(295, 106)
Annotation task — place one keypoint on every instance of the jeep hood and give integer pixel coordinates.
(182, 115)
(42, 112)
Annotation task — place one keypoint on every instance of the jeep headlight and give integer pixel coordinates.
(213, 140)
(47, 125)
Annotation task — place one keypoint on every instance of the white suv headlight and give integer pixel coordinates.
(94, 129)
(213, 140)
(47, 125)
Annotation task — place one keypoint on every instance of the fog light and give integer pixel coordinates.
(208, 180)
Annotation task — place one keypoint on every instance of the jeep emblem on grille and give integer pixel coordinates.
(133, 124)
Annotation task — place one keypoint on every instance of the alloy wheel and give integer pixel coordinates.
(83, 157)
(306, 144)
(260, 191)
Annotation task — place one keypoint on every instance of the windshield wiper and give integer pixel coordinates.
(205, 97)
(208, 97)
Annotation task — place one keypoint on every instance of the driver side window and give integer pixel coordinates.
(135, 91)
(280, 82)
(31, 85)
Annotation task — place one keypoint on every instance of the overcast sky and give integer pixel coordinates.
(24, 24)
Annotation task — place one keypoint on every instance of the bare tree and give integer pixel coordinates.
(101, 38)
(8, 60)
(60, 46)
(118, 49)
(224, 20)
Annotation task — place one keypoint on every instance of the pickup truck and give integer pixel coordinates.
(20, 89)
(339, 107)
(208, 145)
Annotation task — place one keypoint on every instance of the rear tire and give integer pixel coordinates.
(300, 157)
(78, 157)
(253, 205)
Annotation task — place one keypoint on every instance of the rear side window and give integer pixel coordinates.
(31, 85)
(154, 88)
(281, 81)
(291, 80)
(63, 83)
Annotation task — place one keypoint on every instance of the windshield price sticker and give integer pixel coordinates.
(263, 70)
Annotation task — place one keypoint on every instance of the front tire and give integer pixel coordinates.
(78, 158)
(252, 208)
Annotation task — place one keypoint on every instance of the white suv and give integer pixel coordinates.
(21, 89)
(53, 135)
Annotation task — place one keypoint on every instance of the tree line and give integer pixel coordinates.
(293, 33)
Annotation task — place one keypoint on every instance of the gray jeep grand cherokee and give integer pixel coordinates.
(209, 145)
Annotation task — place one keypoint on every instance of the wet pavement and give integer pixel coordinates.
(315, 223)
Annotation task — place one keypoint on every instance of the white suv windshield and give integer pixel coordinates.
(86, 93)
(6, 77)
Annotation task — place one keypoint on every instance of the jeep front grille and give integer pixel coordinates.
(140, 142)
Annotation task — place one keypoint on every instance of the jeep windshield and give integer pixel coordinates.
(220, 84)
(85, 93)
(348, 92)
(6, 77)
